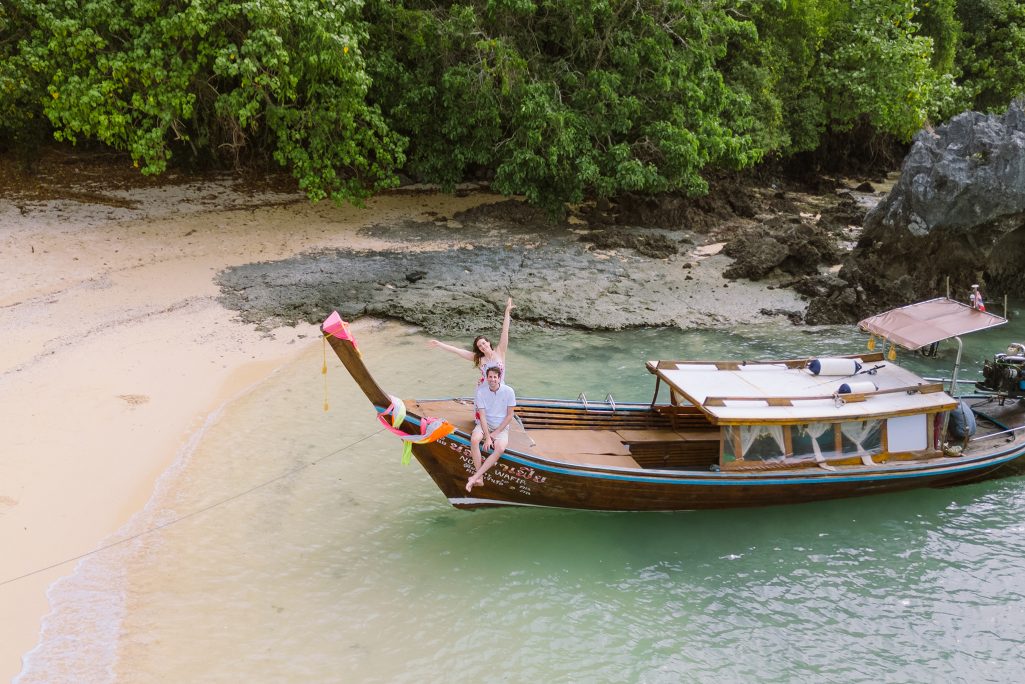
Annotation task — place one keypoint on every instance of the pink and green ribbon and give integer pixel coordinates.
(431, 429)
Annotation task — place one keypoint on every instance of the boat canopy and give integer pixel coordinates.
(917, 325)
(787, 392)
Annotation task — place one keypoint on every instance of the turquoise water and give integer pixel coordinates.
(298, 549)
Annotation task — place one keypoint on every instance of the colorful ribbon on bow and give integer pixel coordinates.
(431, 429)
(336, 327)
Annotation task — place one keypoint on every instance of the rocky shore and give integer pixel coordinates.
(752, 251)
(757, 247)
(743, 255)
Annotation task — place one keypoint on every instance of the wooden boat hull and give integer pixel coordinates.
(523, 480)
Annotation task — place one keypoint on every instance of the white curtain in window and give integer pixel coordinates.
(750, 433)
(858, 433)
(776, 431)
(816, 430)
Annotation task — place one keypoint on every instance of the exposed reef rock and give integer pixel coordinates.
(649, 243)
(556, 282)
(724, 260)
(792, 245)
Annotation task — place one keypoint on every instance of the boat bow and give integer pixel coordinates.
(336, 332)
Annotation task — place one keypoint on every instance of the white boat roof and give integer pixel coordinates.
(916, 325)
(787, 392)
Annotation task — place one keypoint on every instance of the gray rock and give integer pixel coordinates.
(969, 172)
(552, 276)
(957, 213)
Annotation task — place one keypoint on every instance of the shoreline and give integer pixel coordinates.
(116, 352)
(118, 346)
(103, 570)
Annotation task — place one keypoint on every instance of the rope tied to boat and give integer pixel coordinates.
(431, 429)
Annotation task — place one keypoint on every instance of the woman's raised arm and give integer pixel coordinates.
(503, 341)
(464, 353)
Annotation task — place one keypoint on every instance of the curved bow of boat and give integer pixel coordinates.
(336, 332)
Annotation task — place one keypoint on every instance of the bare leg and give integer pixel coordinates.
(475, 440)
(478, 477)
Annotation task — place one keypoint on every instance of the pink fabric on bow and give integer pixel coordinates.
(336, 327)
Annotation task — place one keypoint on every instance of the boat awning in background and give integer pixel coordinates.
(917, 325)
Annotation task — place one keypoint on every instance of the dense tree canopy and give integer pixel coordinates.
(556, 100)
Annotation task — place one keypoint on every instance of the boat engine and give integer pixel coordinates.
(1005, 374)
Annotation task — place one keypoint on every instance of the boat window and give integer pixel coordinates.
(813, 442)
(753, 443)
(798, 444)
(865, 436)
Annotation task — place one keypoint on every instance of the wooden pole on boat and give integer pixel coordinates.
(350, 357)
(953, 390)
(948, 287)
(1005, 307)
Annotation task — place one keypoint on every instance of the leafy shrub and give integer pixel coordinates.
(232, 79)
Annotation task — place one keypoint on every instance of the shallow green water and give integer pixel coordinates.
(355, 569)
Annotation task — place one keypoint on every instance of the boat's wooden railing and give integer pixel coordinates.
(853, 397)
(546, 417)
(685, 417)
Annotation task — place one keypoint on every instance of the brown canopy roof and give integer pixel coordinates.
(916, 325)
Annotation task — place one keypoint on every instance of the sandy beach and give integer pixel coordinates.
(116, 348)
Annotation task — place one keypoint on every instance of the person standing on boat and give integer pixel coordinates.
(481, 353)
(975, 298)
(494, 404)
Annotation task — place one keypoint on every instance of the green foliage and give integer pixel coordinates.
(441, 84)
(555, 100)
(840, 63)
(21, 120)
(283, 77)
(791, 39)
(563, 98)
(938, 20)
(993, 58)
(875, 66)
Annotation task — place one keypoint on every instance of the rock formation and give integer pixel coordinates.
(958, 211)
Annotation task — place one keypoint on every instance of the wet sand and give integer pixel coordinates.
(116, 349)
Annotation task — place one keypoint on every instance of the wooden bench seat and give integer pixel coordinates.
(666, 448)
(595, 442)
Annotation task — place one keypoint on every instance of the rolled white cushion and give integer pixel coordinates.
(834, 366)
(860, 387)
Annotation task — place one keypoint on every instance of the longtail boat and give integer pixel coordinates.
(734, 433)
